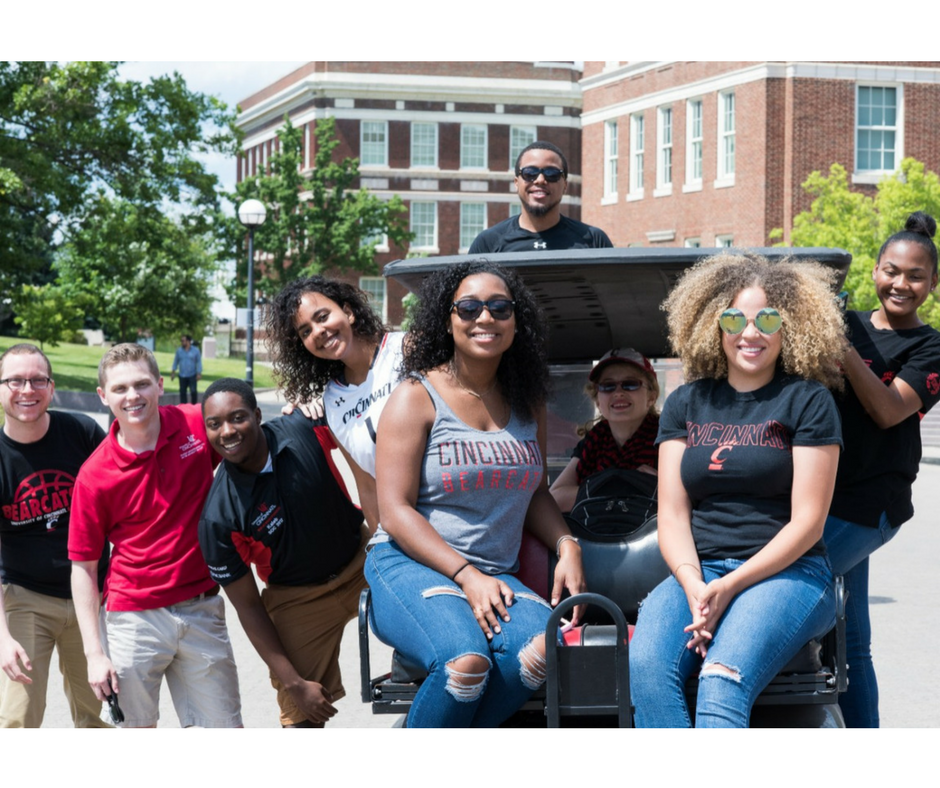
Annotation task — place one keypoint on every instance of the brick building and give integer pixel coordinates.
(713, 153)
(442, 135)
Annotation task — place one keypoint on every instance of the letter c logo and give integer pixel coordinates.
(716, 459)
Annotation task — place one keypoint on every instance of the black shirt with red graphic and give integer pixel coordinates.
(296, 523)
(36, 481)
(878, 467)
(737, 467)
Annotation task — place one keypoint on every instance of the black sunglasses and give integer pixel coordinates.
(472, 308)
(531, 174)
(114, 708)
(626, 385)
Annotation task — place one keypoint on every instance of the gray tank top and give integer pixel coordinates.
(476, 486)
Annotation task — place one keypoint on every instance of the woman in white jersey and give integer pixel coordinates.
(326, 340)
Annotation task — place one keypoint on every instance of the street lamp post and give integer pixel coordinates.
(252, 214)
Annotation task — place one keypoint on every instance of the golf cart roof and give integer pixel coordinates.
(596, 299)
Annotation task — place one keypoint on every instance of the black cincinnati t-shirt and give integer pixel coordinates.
(879, 466)
(36, 481)
(508, 236)
(738, 464)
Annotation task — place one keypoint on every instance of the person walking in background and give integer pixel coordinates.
(188, 360)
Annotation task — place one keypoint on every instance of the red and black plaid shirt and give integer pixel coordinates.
(599, 451)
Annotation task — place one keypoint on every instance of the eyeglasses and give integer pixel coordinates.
(472, 308)
(626, 385)
(18, 384)
(767, 321)
(531, 174)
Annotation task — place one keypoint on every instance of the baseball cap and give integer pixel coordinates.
(625, 355)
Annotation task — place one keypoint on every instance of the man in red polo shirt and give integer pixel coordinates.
(143, 490)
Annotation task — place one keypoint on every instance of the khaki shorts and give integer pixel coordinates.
(310, 621)
(189, 644)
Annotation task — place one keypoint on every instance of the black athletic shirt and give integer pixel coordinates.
(508, 236)
(296, 524)
(738, 464)
(36, 481)
(879, 466)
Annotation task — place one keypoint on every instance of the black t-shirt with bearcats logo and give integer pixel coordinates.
(879, 466)
(36, 481)
(738, 464)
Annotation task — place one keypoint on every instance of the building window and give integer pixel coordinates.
(374, 287)
(472, 222)
(726, 126)
(373, 143)
(724, 241)
(472, 147)
(693, 243)
(610, 159)
(515, 208)
(519, 138)
(424, 225)
(380, 241)
(693, 142)
(637, 145)
(664, 150)
(876, 128)
(423, 144)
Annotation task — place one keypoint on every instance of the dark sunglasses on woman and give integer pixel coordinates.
(472, 308)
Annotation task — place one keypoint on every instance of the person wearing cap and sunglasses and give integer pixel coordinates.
(748, 450)
(460, 474)
(541, 181)
(624, 389)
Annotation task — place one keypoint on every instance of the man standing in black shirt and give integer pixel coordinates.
(40, 454)
(541, 182)
(279, 503)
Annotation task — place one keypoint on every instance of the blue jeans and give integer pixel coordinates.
(761, 630)
(425, 616)
(188, 384)
(849, 545)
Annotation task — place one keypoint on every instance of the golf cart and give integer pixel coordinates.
(595, 300)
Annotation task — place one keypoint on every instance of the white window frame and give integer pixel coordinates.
(515, 209)
(694, 141)
(871, 176)
(724, 241)
(727, 140)
(664, 159)
(376, 288)
(611, 133)
(426, 244)
(471, 226)
(424, 126)
(693, 243)
(373, 127)
(381, 241)
(527, 133)
(637, 153)
(466, 146)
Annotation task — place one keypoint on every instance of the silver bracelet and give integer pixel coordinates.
(565, 538)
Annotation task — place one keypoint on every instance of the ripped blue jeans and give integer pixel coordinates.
(425, 616)
(762, 629)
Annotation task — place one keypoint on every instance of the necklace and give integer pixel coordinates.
(453, 372)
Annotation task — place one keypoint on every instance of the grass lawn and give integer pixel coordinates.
(75, 367)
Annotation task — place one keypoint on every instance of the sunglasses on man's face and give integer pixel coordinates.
(733, 321)
(627, 385)
(531, 174)
(472, 308)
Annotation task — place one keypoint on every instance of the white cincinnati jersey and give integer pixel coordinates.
(353, 411)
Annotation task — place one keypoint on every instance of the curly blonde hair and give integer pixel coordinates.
(813, 335)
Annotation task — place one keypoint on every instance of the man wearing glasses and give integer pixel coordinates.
(40, 454)
(541, 182)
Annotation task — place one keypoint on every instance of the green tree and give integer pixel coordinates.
(316, 222)
(73, 135)
(839, 217)
(139, 272)
(46, 313)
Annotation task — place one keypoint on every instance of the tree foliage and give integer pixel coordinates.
(316, 221)
(75, 137)
(45, 313)
(839, 217)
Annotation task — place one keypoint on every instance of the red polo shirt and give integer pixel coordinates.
(148, 506)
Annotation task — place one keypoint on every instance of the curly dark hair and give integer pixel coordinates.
(523, 369)
(300, 374)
